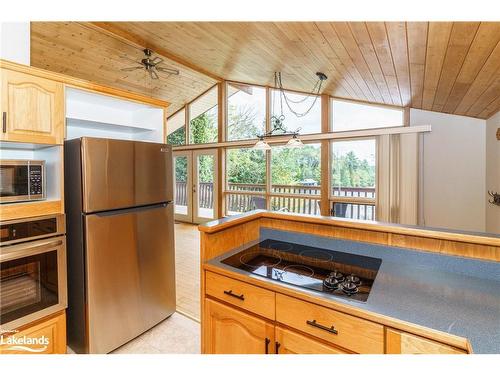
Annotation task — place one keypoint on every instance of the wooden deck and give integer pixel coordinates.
(187, 269)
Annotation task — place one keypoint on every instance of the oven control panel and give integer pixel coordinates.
(34, 228)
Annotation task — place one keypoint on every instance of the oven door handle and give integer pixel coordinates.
(26, 249)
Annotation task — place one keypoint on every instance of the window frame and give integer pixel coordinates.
(332, 199)
(188, 117)
(226, 109)
(319, 102)
(176, 113)
(226, 192)
(331, 125)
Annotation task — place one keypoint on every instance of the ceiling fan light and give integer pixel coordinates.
(261, 145)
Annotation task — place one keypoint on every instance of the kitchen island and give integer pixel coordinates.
(435, 291)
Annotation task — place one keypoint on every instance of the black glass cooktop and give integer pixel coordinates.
(332, 272)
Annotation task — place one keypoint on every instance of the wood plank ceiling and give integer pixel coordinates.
(85, 52)
(451, 67)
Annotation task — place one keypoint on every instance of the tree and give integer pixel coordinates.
(177, 137)
(242, 124)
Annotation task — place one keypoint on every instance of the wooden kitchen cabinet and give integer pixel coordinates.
(230, 331)
(347, 331)
(49, 333)
(32, 109)
(243, 295)
(290, 342)
(398, 342)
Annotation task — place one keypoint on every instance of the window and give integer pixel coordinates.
(308, 124)
(296, 179)
(354, 116)
(246, 111)
(246, 180)
(203, 118)
(353, 179)
(176, 128)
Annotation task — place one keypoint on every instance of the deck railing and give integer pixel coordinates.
(292, 198)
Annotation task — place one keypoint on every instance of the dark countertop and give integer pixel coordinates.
(459, 296)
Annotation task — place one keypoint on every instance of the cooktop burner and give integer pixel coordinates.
(327, 271)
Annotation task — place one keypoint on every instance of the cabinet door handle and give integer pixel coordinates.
(267, 341)
(277, 347)
(4, 122)
(324, 328)
(230, 293)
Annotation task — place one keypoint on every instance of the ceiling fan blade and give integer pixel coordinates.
(167, 70)
(131, 68)
(157, 60)
(129, 59)
(153, 74)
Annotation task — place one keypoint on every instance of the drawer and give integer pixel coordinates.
(289, 342)
(399, 342)
(46, 336)
(356, 334)
(254, 299)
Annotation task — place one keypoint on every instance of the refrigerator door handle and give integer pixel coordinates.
(126, 211)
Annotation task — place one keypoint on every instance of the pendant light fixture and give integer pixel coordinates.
(277, 122)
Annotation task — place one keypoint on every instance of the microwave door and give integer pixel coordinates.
(120, 174)
(14, 185)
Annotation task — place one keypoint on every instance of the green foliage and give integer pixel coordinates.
(246, 166)
(291, 166)
(350, 171)
(203, 129)
(177, 137)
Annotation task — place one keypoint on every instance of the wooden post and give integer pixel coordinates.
(325, 155)
(221, 137)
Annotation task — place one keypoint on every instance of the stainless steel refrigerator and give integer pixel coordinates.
(120, 240)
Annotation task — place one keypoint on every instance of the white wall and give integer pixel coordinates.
(15, 42)
(453, 171)
(492, 172)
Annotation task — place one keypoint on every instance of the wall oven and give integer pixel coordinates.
(22, 180)
(32, 270)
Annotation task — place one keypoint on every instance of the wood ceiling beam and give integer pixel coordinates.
(111, 29)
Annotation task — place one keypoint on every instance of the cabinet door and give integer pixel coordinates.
(46, 336)
(289, 342)
(398, 342)
(32, 109)
(230, 331)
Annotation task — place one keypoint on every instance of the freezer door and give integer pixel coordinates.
(119, 174)
(130, 274)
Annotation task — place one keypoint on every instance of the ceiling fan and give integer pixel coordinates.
(150, 64)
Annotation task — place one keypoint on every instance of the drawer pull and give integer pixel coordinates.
(324, 328)
(277, 347)
(267, 341)
(4, 122)
(230, 293)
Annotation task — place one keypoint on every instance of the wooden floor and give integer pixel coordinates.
(187, 269)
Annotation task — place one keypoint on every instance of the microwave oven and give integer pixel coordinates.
(22, 180)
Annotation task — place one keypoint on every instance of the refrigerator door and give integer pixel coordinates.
(130, 273)
(119, 174)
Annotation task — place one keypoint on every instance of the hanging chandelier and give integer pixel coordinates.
(278, 127)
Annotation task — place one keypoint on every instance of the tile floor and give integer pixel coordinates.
(175, 335)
